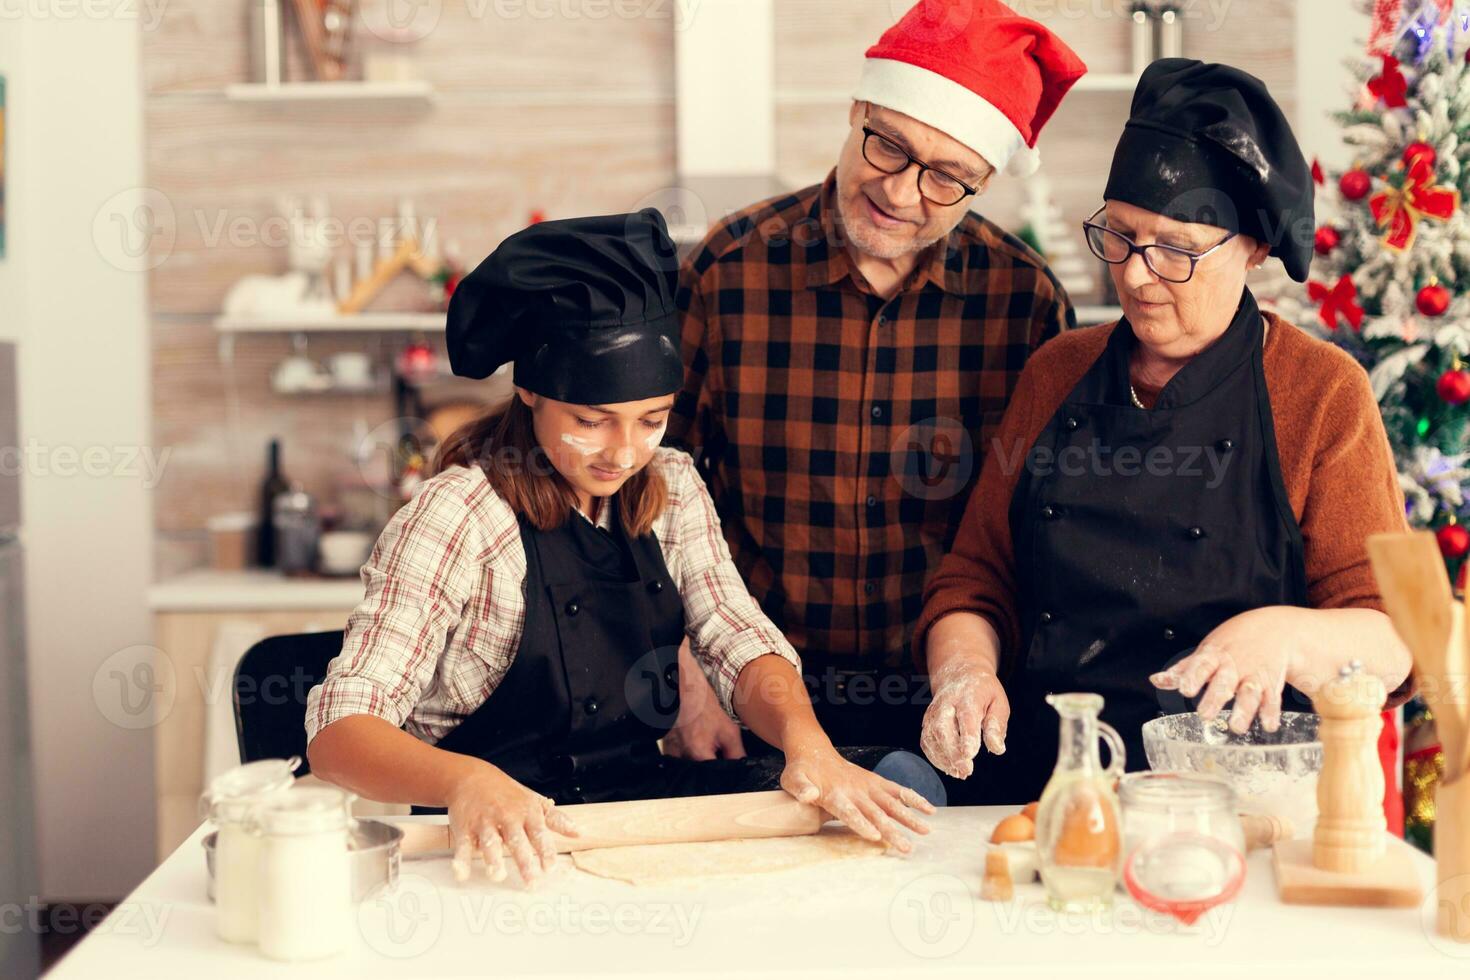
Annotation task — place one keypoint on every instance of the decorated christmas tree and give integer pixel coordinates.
(1391, 286)
(1391, 281)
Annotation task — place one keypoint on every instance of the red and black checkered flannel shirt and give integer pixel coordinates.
(840, 433)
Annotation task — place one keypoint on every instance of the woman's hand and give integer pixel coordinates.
(969, 704)
(873, 807)
(490, 813)
(1250, 657)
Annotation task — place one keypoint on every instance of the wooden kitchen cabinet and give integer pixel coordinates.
(179, 737)
(190, 613)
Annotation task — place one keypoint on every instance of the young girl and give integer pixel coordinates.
(517, 644)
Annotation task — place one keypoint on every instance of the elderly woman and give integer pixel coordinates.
(1176, 504)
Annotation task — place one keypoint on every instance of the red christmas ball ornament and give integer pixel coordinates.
(1454, 541)
(1454, 386)
(1355, 184)
(1327, 239)
(1416, 150)
(1433, 299)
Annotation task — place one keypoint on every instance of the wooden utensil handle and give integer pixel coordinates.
(697, 818)
(1263, 830)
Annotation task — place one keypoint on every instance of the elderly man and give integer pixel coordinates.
(850, 348)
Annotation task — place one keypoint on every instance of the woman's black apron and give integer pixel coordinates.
(595, 680)
(1138, 532)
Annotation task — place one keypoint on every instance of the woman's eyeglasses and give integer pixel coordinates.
(1168, 262)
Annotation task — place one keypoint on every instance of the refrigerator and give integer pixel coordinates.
(20, 954)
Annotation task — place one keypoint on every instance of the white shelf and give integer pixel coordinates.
(208, 590)
(362, 322)
(1102, 82)
(337, 92)
(1087, 315)
(1092, 82)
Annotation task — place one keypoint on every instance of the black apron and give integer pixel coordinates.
(1138, 532)
(595, 680)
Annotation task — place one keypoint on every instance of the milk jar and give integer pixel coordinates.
(306, 875)
(229, 803)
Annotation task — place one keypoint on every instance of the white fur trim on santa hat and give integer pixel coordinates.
(949, 107)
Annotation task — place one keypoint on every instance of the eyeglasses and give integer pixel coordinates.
(1169, 263)
(935, 185)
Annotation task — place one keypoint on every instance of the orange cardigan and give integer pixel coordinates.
(1335, 461)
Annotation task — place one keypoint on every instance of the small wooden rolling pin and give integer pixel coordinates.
(1263, 830)
(675, 821)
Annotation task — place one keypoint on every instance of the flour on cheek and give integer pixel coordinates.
(584, 446)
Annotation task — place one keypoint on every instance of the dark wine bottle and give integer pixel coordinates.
(275, 483)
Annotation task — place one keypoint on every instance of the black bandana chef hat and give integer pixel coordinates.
(583, 306)
(1206, 143)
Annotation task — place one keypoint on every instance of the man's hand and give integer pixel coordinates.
(702, 731)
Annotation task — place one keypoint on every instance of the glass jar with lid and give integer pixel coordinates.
(306, 872)
(1184, 847)
(229, 803)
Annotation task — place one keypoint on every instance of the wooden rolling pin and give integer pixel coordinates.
(675, 821)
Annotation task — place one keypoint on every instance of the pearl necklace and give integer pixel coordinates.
(1133, 393)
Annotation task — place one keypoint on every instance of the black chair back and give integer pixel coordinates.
(270, 689)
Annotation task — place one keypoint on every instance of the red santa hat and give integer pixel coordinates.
(976, 70)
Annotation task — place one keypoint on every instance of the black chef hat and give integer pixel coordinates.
(583, 306)
(1207, 143)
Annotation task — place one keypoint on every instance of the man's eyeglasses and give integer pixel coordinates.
(1168, 262)
(935, 185)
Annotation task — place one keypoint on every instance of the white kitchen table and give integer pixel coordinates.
(878, 916)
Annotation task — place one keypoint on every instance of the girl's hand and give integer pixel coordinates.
(490, 813)
(873, 807)
(1249, 657)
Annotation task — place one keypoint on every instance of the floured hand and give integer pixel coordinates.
(491, 814)
(1249, 658)
(871, 806)
(970, 708)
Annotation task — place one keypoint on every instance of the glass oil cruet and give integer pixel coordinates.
(1079, 822)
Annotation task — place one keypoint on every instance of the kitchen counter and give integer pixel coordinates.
(209, 590)
(885, 917)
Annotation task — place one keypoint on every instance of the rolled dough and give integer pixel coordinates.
(652, 864)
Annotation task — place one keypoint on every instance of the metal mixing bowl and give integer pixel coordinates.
(375, 849)
(1273, 773)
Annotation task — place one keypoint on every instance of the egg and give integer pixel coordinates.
(1030, 810)
(1016, 827)
(1088, 836)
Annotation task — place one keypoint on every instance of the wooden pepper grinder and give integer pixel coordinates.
(1351, 828)
(1348, 861)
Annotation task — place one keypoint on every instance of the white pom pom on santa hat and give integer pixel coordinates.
(976, 70)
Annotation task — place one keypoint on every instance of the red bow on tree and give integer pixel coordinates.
(1390, 86)
(1400, 208)
(1341, 298)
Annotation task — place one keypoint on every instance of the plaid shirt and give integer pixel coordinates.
(840, 433)
(444, 609)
